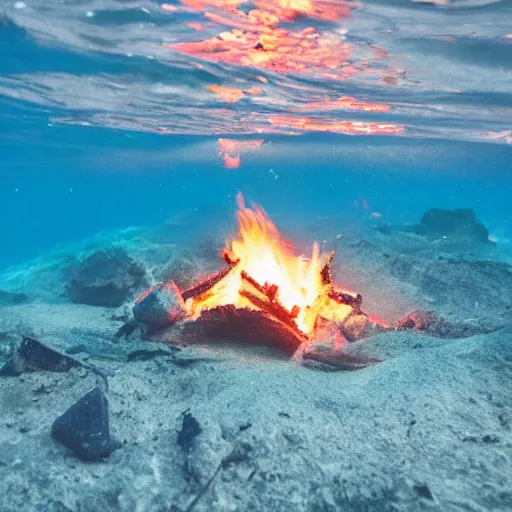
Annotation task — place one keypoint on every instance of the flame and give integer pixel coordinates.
(263, 254)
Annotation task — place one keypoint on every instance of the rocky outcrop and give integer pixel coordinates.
(459, 225)
(106, 278)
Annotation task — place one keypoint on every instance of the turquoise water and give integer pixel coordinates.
(140, 371)
(108, 120)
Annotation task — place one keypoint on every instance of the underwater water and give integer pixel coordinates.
(134, 125)
(125, 102)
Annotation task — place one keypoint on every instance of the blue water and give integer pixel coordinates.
(105, 124)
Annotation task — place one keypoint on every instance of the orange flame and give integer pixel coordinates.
(264, 255)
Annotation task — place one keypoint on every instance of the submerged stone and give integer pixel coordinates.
(159, 306)
(106, 278)
(460, 224)
(84, 428)
(355, 327)
(33, 355)
(190, 428)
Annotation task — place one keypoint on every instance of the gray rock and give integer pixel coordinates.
(106, 278)
(159, 307)
(460, 224)
(33, 355)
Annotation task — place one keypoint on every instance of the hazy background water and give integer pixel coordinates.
(373, 111)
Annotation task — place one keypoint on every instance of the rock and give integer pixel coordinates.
(106, 278)
(11, 298)
(190, 429)
(355, 326)
(424, 492)
(439, 327)
(159, 307)
(460, 224)
(84, 428)
(419, 320)
(33, 355)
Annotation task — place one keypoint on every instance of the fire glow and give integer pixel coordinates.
(265, 290)
(264, 263)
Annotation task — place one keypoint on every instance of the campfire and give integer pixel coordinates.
(265, 294)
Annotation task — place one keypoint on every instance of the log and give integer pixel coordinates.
(264, 297)
(208, 283)
(243, 325)
(343, 297)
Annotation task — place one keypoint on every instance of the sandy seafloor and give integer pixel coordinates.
(427, 429)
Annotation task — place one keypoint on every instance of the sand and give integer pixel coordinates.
(427, 429)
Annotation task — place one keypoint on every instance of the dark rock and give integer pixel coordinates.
(190, 429)
(460, 224)
(106, 278)
(423, 491)
(11, 298)
(84, 428)
(159, 307)
(33, 355)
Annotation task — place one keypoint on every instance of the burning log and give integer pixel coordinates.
(343, 297)
(242, 325)
(266, 300)
(208, 283)
(266, 295)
